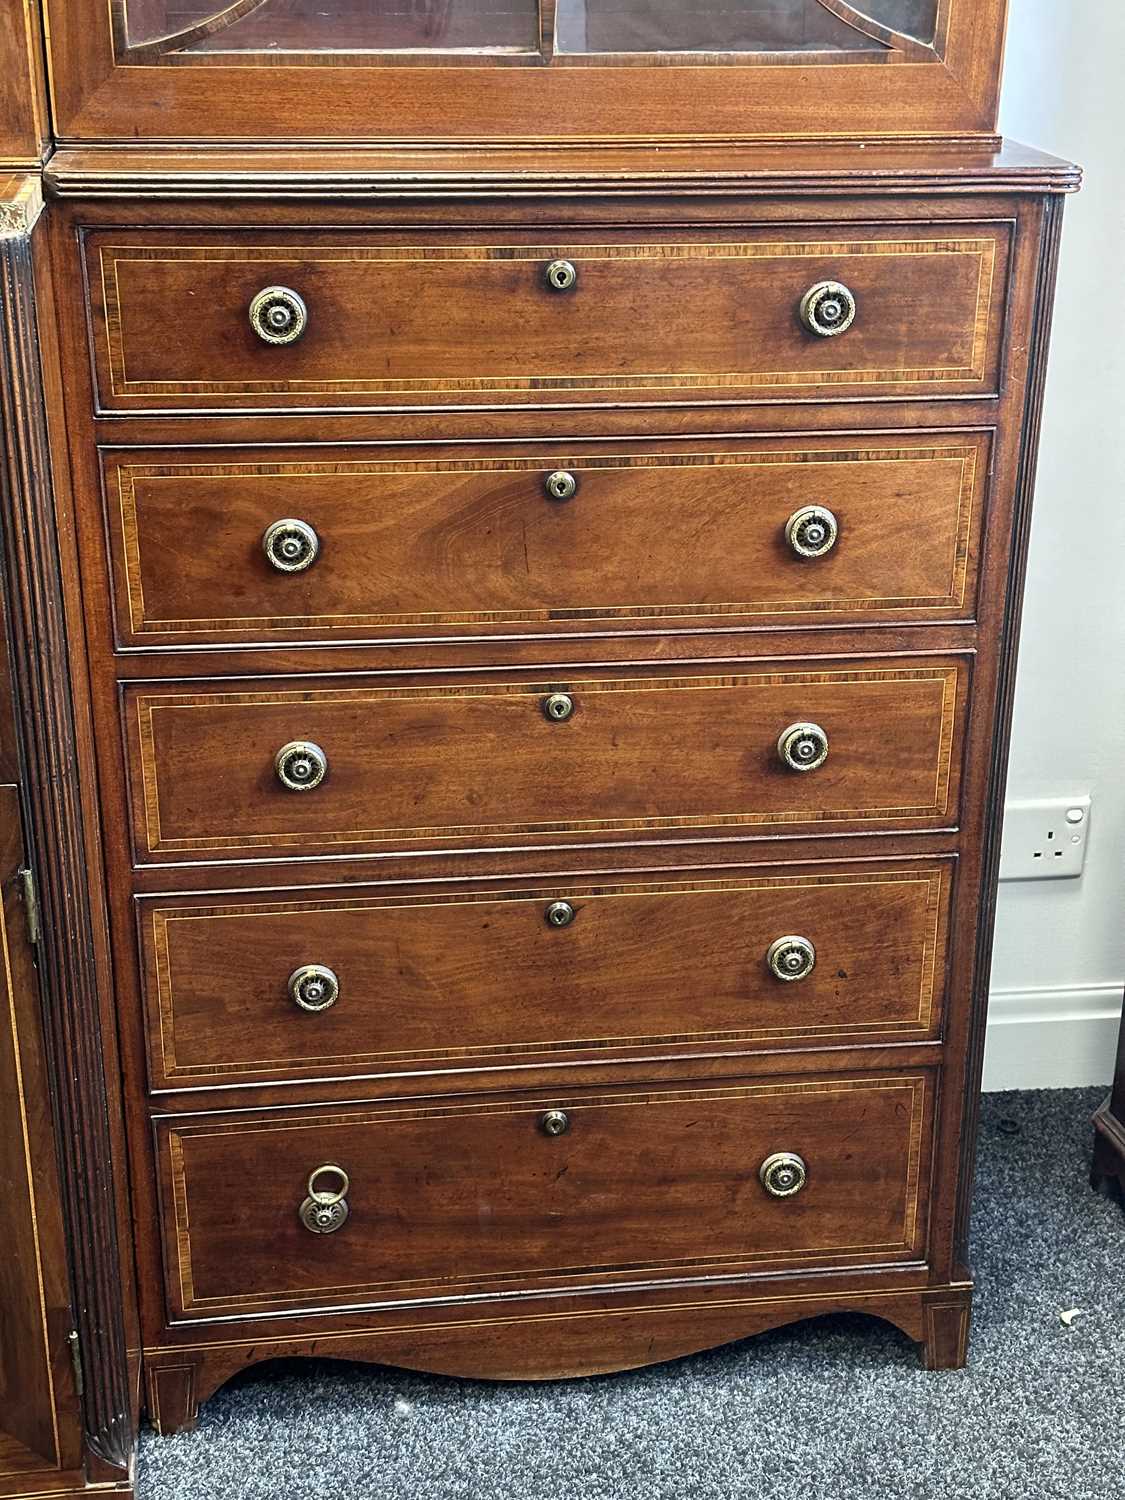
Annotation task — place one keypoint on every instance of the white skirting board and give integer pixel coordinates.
(1052, 1038)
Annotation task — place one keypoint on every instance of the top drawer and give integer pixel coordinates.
(442, 319)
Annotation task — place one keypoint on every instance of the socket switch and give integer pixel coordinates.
(1045, 838)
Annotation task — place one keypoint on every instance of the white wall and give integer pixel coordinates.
(1059, 963)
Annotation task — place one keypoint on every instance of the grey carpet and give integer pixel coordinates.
(836, 1408)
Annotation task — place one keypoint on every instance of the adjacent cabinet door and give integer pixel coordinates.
(39, 1423)
(516, 69)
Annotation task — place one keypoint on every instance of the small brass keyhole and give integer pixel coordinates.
(562, 276)
(558, 707)
(561, 485)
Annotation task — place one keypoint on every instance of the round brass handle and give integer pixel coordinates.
(555, 1122)
(562, 276)
(325, 1209)
(314, 987)
(558, 707)
(291, 546)
(561, 485)
(803, 747)
(278, 315)
(560, 914)
(783, 1174)
(300, 765)
(812, 531)
(828, 308)
(791, 958)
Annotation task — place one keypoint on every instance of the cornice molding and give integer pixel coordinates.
(390, 173)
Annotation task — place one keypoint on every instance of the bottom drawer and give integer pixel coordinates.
(595, 1187)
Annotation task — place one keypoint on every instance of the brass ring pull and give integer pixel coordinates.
(558, 707)
(291, 546)
(827, 309)
(803, 747)
(562, 276)
(560, 914)
(278, 315)
(300, 765)
(783, 1174)
(325, 1210)
(555, 1122)
(812, 531)
(561, 485)
(791, 958)
(314, 987)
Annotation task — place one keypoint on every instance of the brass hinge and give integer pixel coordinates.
(31, 902)
(76, 1360)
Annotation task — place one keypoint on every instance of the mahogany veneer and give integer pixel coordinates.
(466, 540)
(444, 319)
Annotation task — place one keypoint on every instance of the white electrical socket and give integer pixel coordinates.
(1045, 839)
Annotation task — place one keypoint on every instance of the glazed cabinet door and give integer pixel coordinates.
(517, 69)
(39, 1422)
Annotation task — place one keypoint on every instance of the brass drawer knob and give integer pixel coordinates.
(560, 914)
(291, 546)
(325, 1210)
(828, 308)
(783, 1174)
(812, 531)
(300, 765)
(314, 987)
(803, 747)
(561, 485)
(555, 1122)
(791, 958)
(278, 315)
(558, 707)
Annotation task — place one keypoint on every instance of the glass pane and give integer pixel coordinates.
(913, 18)
(193, 26)
(740, 25)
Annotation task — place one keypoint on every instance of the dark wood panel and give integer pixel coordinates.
(25, 126)
(480, 979)
(447, 543)
(67, 1188)
(448, 320)
(37, 1403)
(475, 1196)
(483, 760)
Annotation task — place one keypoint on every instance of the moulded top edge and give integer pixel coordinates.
(407, 170)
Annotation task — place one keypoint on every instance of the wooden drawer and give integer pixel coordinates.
(475, 1197)
(474, 980)
(469, 762)
(452, 318)
(465, 542)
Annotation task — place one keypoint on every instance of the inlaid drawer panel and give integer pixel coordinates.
(447, 318)
(313, 766)
(321, 543)
(591, 1187)
(251, 991)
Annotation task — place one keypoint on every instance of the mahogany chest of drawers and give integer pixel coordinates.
(549, 667)
(512, 528)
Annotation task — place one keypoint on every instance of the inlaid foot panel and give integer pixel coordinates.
(173, 1395)
(555, 1345)
(945, 1345)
